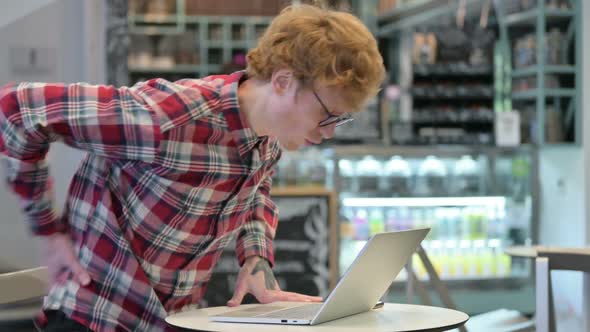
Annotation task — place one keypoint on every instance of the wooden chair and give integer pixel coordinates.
(21, 293)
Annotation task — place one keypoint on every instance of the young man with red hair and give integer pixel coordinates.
(176, 170)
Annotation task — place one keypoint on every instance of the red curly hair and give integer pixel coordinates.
(323, 46)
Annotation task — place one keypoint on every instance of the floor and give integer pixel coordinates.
(26, 326)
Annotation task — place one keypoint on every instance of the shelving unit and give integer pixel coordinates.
(546, 93)
(206, 41)
(530, 17)
(565, 98)
(420, 12)
(439, 100)
(551, 69)
(395, 29)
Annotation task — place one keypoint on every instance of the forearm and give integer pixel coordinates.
(102, 120)
(257, 234)
(32, 115)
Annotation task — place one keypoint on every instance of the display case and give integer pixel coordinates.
(477, 201)
(176, 39)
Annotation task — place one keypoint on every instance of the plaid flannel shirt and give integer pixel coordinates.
(173, 173)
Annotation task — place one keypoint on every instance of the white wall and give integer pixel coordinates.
(564, 213)
(73, 30)
(18, 9)
(563, 223)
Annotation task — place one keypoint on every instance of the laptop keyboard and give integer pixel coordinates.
(307, 311)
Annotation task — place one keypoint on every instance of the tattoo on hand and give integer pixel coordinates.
(269, 278)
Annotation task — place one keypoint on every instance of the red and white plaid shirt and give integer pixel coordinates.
(173, 174)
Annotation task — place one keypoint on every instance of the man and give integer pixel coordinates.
(175, 171)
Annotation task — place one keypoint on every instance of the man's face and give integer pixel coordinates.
(301, 114)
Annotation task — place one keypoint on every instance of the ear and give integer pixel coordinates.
(283, 80)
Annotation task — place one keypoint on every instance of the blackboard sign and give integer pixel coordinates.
(305, 248)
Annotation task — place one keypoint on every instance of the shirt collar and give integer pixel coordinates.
(243, 135)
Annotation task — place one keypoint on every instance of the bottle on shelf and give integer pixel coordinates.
(417, 219)
(442, 216)
(432, 177)
(435, 255)
(348, 183)
(347, 239)
(304, 170)
(376, 221)
(488, 262)
(369, 171)
(502, 262)
(478, 248)
(496, 228)
(315, 167)
(392, 220)
(479, 221)
(469, 259)
(473, 224)
(431, 221)
(287, 169)
(455, 267)
(361, 225)
(466, 177)
(405, 219)
(453, 223)
(397, 177)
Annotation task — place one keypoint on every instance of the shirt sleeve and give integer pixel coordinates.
(118, 123)
(257, 234)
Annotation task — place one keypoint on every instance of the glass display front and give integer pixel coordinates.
(474, 205)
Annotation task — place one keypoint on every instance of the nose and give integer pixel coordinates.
(328, 131)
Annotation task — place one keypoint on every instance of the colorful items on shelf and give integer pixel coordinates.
(464, 260)
(445, 223)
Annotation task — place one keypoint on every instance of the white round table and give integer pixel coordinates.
(392, 317)
(523, 251)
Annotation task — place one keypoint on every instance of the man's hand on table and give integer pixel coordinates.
(256, 277)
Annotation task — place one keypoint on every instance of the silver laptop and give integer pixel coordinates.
(363, 284)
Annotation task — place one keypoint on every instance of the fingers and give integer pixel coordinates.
(274, 296)
(239, 294)
(54, 273)
(58, 272)
(60, 258)
(80, 274)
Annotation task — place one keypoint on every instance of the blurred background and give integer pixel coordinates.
(478, 131)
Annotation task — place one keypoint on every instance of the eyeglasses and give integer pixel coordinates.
(332, 119)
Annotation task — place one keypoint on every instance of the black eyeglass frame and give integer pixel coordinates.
(332, 119)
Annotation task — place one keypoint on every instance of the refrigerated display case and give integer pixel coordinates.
(476, 201)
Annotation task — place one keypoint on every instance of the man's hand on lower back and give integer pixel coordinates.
(57, 252)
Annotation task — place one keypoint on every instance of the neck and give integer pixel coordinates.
(252, 100)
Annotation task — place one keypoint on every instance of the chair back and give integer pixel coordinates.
(23, 285)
